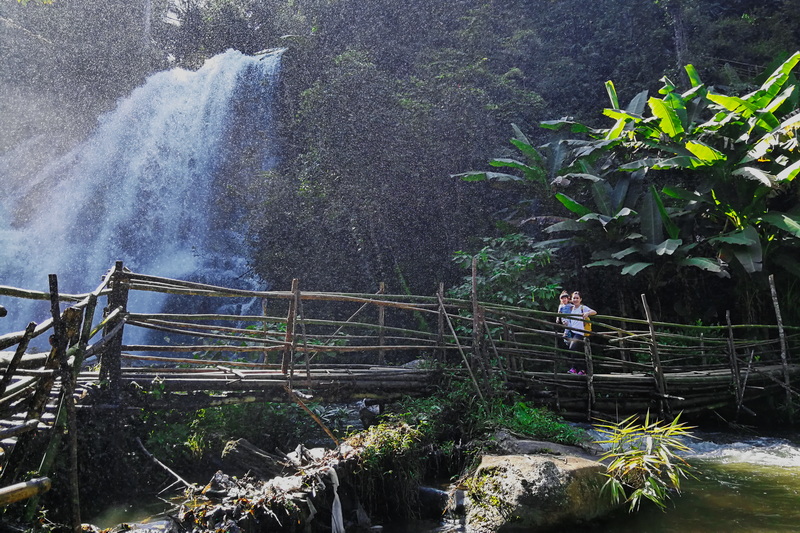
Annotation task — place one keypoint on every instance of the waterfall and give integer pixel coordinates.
(155, 185)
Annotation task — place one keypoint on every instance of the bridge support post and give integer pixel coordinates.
(60, 342)
(784, 352)
(440, 351)
(381, 324)
(658, 373)
(291, 319)
(478, 319)
(735, 378)
(111, 357)
(587, 354)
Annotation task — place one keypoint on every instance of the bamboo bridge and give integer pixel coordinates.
(330, 347)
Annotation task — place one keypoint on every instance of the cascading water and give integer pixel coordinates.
(152, 186)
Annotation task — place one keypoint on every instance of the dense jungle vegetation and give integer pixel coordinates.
(386, 106)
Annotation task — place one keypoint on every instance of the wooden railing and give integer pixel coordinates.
(300, 334)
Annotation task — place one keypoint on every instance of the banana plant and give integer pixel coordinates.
(728, 161)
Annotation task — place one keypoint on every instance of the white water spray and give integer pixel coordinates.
(151, 186)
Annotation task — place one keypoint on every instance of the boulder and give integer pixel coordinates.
(534, 492)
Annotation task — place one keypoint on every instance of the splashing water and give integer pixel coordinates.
(154, 186)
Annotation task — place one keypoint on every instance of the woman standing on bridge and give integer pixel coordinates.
(578, 323)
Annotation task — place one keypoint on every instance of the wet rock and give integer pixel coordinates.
(534, 493)
(505, 443)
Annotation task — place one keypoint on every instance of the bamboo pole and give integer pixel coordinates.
(784, 351)
(296, 398)
(735, 378)
(587, 354)
(744, 385)
(23, 491)
(463, 355)
(110, 360)
(658, 373)
(20, 351)
(306, 355)
(67, 388)
(19, 429)
(264, 357)
(289, 343)
(381, 325)
(440, 353)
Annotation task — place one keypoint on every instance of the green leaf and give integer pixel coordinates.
(705, 153)
(524, 145)
(637, 104)
(603, 219)
(672, 230)
(763, 145)
(650, 221)
(567, 225)
(484, 176)
(571, 125)
(776, 81)
(605, 262)
(624, 253)
(519, 136)
(738, 237)
(635, 268)
(784, 221)
(789, 173)
(669, 246)
(733, 104)
(581, 175)
(624, 212)
(511, 163)
(681, 161)
(755, 174)
(572, 205)
(669, 121)
(750, 257)
(612, 94)
(702, 263)
(694, 77)
(745, 244)
(601, 192)
(620, 191)
(683, 194)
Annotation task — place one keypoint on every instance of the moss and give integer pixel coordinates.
(488, 496)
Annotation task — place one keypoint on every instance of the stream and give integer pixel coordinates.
(740, 485)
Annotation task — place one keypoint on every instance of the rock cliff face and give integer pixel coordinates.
(554, 486)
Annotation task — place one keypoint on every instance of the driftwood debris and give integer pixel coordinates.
(241, 457)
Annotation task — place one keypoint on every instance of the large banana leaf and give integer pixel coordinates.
(784, 221)
(572, 205)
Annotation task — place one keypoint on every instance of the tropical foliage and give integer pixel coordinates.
(508, 272)
(643, 461)
(698, 179)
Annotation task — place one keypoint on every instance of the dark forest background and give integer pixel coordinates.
(382, 105)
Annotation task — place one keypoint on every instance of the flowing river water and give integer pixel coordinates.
(740, 484)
